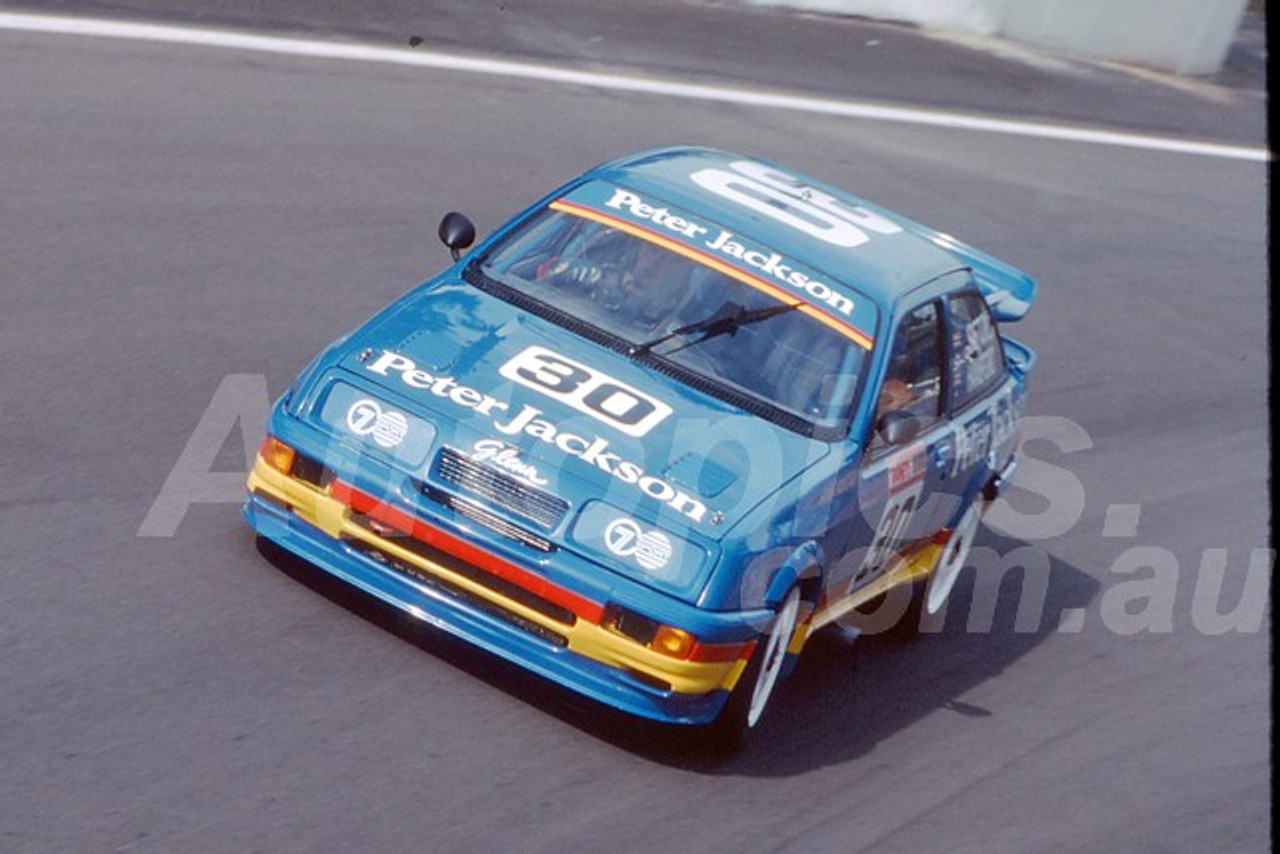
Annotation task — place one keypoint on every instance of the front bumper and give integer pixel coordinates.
(546, 629)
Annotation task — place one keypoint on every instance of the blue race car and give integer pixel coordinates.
(658, 429)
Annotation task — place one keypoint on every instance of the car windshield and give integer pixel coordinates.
(760, 350)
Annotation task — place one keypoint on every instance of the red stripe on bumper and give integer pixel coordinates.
(585, 609)
(711, 653)
(408, 524)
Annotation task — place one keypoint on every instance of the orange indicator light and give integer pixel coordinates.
(277, 454)
(674, 642)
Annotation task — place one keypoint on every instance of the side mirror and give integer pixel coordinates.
(898, 427)
(457, 232)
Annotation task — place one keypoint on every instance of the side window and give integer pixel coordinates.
(913, 379)
(976, 358)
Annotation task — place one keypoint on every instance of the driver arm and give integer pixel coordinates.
(894, 395)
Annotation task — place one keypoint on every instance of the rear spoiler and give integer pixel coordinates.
(1009, 291)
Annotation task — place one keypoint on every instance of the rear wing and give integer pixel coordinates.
(1008, 291)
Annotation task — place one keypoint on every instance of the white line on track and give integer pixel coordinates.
(616, 82)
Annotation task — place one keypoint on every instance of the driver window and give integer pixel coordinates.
(913, 379)
(977, 360)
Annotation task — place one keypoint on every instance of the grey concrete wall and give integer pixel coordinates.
(1183, 36)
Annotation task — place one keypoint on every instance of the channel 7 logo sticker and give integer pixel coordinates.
(378, 425)
(650, 549)
(367, 418)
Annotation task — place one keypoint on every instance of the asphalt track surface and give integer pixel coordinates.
(175, 220)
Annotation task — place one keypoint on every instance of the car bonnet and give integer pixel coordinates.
(517, 394)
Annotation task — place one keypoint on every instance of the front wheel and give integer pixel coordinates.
(747, 703)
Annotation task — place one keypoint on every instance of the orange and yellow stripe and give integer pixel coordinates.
(719, 265)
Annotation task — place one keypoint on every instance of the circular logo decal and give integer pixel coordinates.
(367, 418)
(650, 549)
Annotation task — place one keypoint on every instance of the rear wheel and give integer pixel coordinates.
(746, 706)
(954, 555)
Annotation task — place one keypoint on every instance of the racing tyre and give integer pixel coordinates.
(746, 706)
(953, 558)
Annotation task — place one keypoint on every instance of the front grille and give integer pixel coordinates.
(497, 524)
(460, 593)
(500, 489)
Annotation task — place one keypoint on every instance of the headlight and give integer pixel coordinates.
(636, 547)
(379, 427)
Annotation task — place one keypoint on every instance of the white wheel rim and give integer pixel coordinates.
(952, 561)
(775, 652)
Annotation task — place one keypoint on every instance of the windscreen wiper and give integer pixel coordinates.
(727, 320)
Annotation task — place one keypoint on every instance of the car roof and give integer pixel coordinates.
(884, 268)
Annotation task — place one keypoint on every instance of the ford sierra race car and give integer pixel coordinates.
(653, 433)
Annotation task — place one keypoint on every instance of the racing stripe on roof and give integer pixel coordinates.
(718, 264)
